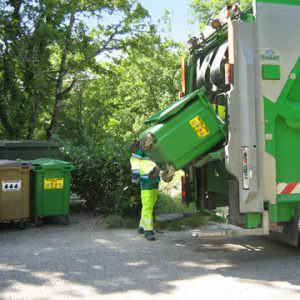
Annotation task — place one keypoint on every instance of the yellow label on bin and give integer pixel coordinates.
(53, 183)
(199, 127)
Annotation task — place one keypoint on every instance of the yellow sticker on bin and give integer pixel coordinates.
(53, 183)
(199, 127)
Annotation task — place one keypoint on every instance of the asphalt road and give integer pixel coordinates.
(87, 261)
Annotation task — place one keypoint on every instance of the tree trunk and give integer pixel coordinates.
(37, 95)
(33, 118)
(59, 93)
(79, 111)
(9, 89)
(5, 122)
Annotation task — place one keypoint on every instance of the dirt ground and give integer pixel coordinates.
(87, 261)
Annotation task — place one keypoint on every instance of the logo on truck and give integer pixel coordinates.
(270, 54)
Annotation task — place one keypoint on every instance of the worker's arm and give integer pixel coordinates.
(149, 170)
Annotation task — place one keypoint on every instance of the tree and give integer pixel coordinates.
(47, 44)
(205, 10)
(105, 112)
(118, 101)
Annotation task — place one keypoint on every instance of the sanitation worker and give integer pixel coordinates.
(146, 173)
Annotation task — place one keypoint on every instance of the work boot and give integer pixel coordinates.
(140, 230)
(149, 235)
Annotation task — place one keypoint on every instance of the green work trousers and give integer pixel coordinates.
(149, 198)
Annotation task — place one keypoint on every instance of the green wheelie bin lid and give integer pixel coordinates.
(174, 108)
(49, 163)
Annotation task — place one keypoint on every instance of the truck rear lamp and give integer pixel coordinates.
(228, 74)
(181, 94)
(184, 189)
(228, 12)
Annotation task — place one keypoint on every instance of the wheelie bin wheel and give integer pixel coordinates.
(147, 142)
(166, 177)
(38, 221)
(22, 224)
(66, 220)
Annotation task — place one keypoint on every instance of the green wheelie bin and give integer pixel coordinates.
(50, 189)
(182, 132)
(14, 194)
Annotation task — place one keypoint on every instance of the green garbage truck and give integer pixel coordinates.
(235, 129)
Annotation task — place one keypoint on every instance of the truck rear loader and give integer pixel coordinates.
(235, 130)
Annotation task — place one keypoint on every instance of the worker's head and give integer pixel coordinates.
(135, 146)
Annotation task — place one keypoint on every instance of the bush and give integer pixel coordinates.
(103, 177)
(166, 204)
(116, 221)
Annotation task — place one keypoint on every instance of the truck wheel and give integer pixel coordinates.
(147, 142)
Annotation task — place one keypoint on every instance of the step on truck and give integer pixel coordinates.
(235, 129)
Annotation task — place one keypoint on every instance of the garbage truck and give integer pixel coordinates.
(235, 129)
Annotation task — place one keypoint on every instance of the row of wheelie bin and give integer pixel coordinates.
(32, 190)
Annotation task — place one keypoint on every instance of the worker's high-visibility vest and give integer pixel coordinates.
(146, 166)
(135, 163)
(141, 166)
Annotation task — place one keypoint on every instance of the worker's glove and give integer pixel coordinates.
(154, 173)
(135, 179)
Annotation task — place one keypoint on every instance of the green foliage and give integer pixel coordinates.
(47, 45)
(167, 204)
(205, 10)
(117, 102)
(172, 205)
(103, 177)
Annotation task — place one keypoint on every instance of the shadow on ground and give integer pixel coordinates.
(86, 259)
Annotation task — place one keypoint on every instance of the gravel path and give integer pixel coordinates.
(87, 261)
